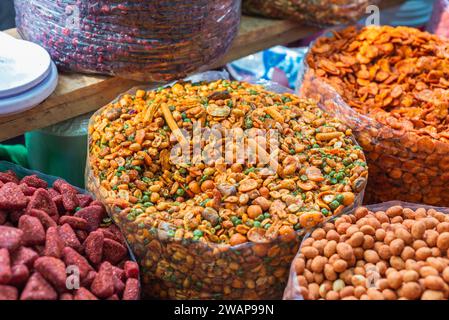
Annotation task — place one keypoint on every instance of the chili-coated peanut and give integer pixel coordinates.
(405, 268)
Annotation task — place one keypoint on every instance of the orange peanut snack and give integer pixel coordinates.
(395, 87)
(389, 251)
(220, 230)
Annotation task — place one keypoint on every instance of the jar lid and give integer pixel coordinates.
(32, 97)
(23, 65)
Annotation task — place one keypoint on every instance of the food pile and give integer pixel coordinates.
(389, 253)
(48, 236)
(322, 12)
(155, 40)
(395, 90)
(219, 230)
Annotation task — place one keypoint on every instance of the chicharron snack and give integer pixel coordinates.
(220, 230)
(386, 251)
(144, 40)
(390, 85)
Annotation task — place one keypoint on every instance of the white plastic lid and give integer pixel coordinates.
(23, 65)
(32, 97)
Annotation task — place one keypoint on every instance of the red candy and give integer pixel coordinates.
(71, 257)
(44, 218)
(3, 216)
(74, 222)
(37, 288)
(53, 270)
(41, 200)
(103, 284)
(34, 181)
(12, 197)
(131, 269)
(5, 267)
(84, 294)
(132, 290)
(93, 246)
(33, 231)
(53, 243)
(20, 275)
(68, 236)
(113, 251)
(10, 238)
(9, 176)
(93, 214)
(25, 256)
(8, 293)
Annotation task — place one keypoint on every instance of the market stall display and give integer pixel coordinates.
(322, 12)
(56, 244)
(439, 22)
(223, 230)
(390, 86)
(387, 251)
(153, 40)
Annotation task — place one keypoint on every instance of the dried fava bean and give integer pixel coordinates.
(388, 269)
(386, 78)
(240, 215)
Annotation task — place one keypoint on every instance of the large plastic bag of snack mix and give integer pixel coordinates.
(153, 40)
(217, 210)
(439, 22)
(321, 13)
(389, 85)
(57, 243)
(387, 251)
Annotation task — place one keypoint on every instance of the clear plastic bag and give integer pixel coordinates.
(293, 289)
(179, 268)
(439, 22)
(321, 13)
(155, 40)
(21, 172)
(406, 163)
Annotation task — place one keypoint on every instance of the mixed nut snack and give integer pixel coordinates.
(220, 229)
(390, 86)
(146, 40)
(322, 12)
(55, 245)
(383, 252)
